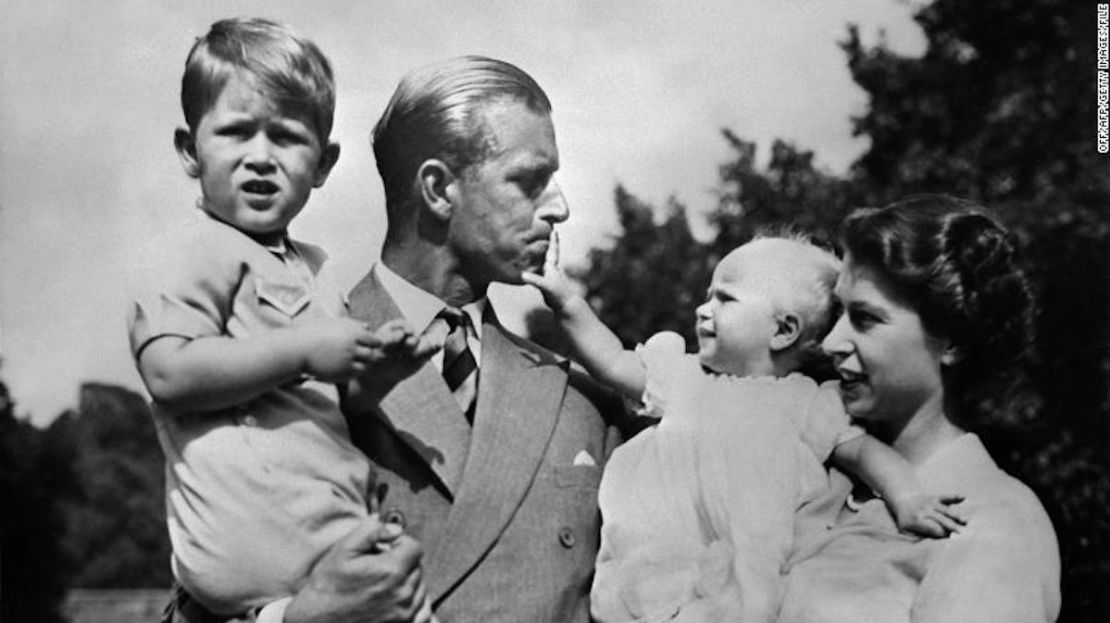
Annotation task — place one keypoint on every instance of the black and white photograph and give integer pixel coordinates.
(567, 312)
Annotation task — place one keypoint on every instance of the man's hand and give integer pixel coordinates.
(372, 575)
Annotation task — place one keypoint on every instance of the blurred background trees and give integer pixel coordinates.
(999, 109)
(82, 504)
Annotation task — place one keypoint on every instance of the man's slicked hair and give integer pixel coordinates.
(434, 113)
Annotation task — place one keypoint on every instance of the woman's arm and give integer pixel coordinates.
(1005, 566)
(893, 478)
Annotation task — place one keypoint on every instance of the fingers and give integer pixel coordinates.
(423, 347)
(551, 259)
(366, 535)
(949, 525)
(954, 515)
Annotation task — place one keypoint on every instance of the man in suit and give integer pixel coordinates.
(491, 452)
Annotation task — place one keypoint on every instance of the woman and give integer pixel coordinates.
(936, 313)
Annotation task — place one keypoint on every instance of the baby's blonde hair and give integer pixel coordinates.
(803, 283)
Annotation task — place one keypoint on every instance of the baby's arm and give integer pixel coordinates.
(892, 477)
(598, 348)
(215, 372)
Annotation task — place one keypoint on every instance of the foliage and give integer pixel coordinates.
(30, 526)
(106, 469)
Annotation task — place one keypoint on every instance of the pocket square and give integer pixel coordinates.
(583, 458)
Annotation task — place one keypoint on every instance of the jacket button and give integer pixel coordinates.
(566, 537)
(394, 516)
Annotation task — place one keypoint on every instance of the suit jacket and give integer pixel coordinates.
(507, 510)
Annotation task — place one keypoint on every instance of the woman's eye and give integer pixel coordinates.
(861, 319)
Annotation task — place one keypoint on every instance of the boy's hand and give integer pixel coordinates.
(929, 515)
(336, 349)
(552, 282)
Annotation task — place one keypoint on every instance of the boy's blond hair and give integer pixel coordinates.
(287, 68)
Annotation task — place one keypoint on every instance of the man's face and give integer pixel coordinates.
(504, 208)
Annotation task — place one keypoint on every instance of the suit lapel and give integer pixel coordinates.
(419, 408)
(519, 397)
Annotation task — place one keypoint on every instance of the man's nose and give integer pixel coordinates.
(552, 204)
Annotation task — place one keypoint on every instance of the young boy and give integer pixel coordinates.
(238, 334)
(698, 511)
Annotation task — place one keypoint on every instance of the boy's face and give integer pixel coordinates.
(737, 321)
(256, 163)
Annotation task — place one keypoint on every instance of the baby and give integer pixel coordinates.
(239, 334)
(698, 511)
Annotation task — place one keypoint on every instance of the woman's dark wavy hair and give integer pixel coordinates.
(959, 269)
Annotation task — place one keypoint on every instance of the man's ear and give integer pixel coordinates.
(787, 331)
(328, 159)
(435, 179)
(187, 150)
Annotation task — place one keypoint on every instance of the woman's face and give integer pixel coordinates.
(889, 365)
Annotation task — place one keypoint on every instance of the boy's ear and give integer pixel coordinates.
(787, 331)
(436, 181)
(187, 150)
(328, 158)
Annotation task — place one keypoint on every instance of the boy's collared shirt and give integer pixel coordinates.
(257, 492)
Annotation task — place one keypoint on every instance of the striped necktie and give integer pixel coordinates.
(460, 370)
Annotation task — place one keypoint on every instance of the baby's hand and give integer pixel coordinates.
(552, 282)
(929, 515)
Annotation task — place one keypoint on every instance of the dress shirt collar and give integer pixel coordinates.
(421, 307)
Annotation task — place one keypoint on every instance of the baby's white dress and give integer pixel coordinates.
(698, 511)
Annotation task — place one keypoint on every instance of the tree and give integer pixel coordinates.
(31, 564)
(104, 464)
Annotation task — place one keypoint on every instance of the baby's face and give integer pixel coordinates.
(737, 321)
(257, 163)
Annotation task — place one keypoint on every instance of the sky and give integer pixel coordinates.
(640, 89)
